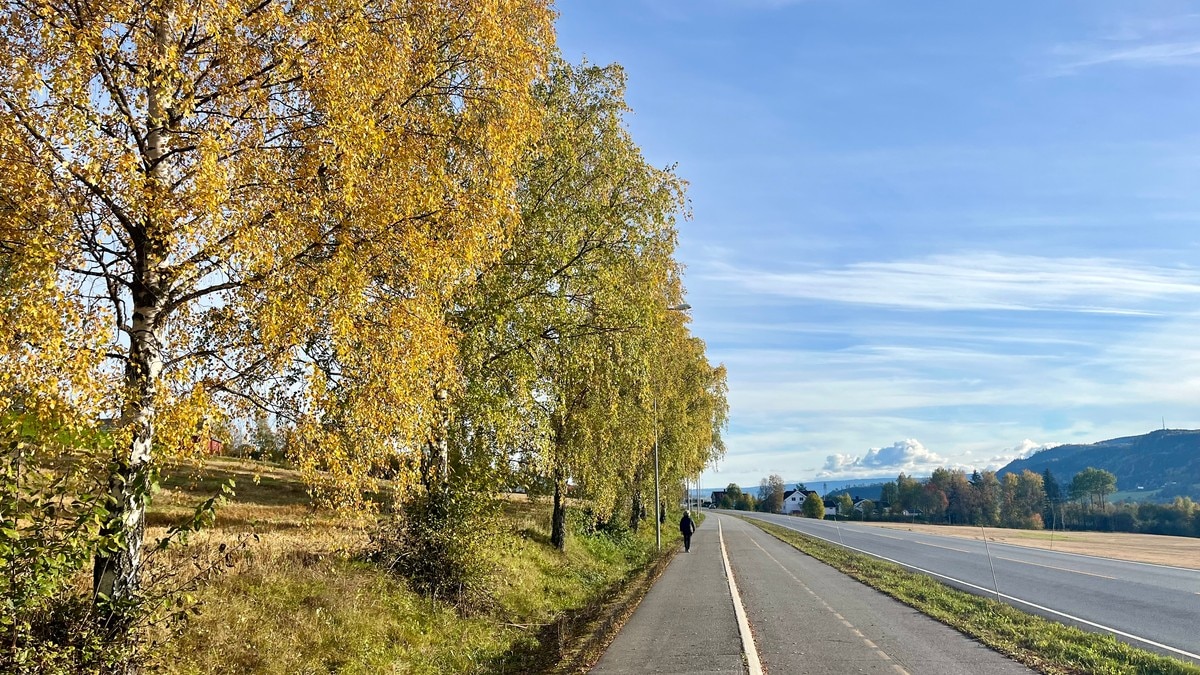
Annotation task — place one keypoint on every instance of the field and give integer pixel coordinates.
(298, 599)
(1147, 548)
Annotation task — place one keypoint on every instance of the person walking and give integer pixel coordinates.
(686, 528)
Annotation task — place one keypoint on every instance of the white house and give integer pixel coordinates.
(793, 500)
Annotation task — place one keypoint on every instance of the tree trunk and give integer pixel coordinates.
(558, 519)
(637, 511)
(435, 463)
(116, 573)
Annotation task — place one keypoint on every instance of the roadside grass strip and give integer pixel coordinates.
(1044, 645)
(301, 600)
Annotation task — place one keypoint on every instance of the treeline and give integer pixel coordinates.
(1028, 500)
(771, 495)
(733, 498)
(414, 238)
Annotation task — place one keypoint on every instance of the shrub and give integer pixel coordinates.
(52, 502)
(441, 543)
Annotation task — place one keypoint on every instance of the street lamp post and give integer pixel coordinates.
(657, 497)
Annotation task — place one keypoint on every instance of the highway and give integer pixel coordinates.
(1154, 607)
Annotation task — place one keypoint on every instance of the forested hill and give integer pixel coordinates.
(1163, 463)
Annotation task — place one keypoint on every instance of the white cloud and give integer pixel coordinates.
(1028, 448)
(1024, 450)
(907, 455)
(1145, 41)
(985, 281)
(1164, 54)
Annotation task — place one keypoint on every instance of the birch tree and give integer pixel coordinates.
(555, 353)
(692, 406)
(251, 202)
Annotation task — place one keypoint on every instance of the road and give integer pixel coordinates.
(1151, 606)
(784, 612)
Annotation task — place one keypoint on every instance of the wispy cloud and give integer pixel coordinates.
(980, 282)
(1149, 55)
(1135, 41)
(1131, 28)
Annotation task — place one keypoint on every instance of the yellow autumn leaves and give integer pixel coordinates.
(315, 208)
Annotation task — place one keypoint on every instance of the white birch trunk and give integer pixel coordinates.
(117, 574)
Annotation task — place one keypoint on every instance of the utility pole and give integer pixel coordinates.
(657, 497)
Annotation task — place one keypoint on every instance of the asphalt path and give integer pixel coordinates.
(783, 612)
(1154, 607)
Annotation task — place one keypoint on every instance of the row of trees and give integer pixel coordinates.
(1026, 500)
(734, 498)
(409, 232)
(1033, 501)
(1180, 518)
(982, 498)
(771, 494)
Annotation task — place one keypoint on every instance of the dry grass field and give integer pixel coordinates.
(1147, 548)
(298, 599)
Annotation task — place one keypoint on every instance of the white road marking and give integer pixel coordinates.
(845, 622)
(987, 592)
(1094, 557)
(1052, 567)
(925, 543)
(753, 665)
(871, 530)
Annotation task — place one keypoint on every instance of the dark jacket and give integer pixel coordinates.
(686, 526)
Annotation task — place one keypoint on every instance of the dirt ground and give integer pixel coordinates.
(1148, 548)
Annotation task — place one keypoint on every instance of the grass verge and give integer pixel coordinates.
(299, 600)
(1044, 645)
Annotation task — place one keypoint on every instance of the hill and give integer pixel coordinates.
(1159, 465)
(865, 488)
(874, 491)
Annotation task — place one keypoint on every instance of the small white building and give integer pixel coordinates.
(793, 500)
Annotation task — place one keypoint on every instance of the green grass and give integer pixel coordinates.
(1044, 645)
(334, 616)
(300, 601)
(1134, 496)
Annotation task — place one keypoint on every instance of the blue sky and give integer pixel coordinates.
(926, 233)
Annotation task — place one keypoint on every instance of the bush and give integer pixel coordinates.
(585, 522)
(441, 543)
(50, 512)
(50, 505)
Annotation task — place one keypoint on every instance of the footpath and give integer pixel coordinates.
(686, 623)
(798, 616)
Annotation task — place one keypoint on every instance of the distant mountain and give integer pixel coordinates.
(867, 488)
(853, 485)
(1166, 462)
(874, 491)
